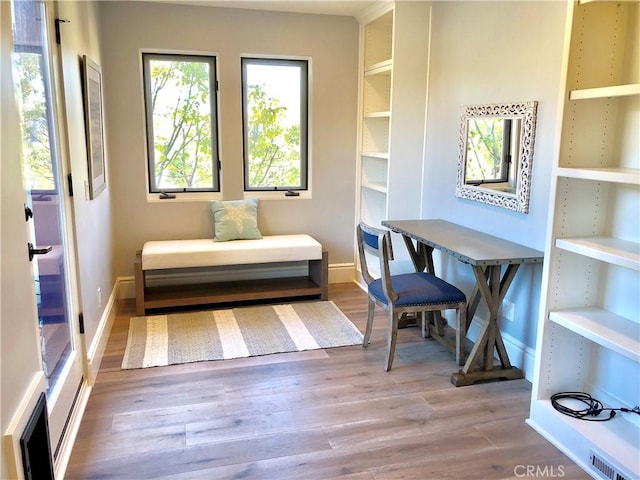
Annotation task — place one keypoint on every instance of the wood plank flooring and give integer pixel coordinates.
(322, 414)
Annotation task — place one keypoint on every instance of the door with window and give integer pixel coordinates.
(46, 210)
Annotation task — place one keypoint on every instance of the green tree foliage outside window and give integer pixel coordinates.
(275, 122)
(485, 157)
(36, 148)
(181, 113)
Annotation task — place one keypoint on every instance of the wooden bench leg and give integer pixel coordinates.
(139, 281)
(319, 273)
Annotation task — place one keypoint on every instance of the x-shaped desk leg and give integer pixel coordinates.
(492, 289)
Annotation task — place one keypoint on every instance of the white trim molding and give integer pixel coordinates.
(95, 352)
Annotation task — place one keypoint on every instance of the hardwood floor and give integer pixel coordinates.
(320, 414)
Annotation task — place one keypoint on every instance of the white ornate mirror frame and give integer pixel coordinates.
(515, 197)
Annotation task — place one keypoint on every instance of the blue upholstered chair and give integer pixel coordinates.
(409, 293)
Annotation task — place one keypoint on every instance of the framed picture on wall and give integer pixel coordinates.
(92, 83)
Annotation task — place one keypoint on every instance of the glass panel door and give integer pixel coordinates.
(42, 179)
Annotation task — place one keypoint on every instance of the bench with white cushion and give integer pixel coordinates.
(162, 256)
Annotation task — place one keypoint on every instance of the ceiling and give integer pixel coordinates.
(325, 7)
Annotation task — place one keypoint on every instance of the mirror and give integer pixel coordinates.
(496, 154)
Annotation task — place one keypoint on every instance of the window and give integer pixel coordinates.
(275, 118)
(492, 144)
(30, 66)
(181, 113)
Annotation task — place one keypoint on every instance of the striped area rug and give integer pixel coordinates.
(234, 333)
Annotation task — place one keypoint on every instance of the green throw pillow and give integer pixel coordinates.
(235, 220)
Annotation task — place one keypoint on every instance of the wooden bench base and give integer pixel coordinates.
(315, 285)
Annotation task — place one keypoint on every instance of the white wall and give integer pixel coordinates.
(331, 42)
(493, 52)
(93, 218)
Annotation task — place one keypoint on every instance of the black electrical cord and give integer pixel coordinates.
(594, 407)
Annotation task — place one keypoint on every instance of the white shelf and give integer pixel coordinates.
(380, 68)
(376, 187)
(617, 440)
(375, 154)
(386, 114)
(604, 328)
(606, 249)
(605, 92)
(612, 175)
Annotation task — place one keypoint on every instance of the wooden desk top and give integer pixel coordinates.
(467, 245)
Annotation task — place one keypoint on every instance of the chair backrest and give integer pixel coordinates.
(376, 242)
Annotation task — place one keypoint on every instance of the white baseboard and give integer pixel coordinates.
(127, 288)
(64, 454)
(342, 273)
(95, 352)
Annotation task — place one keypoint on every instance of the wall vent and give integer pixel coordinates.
(37, 461)
(604, 468)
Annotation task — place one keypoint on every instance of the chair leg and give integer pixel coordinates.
(425, 326)
(367, 332)
(461, 335)
(391, 340)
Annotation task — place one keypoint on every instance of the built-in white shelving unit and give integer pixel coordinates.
(394, 41)
(589, 334)
(376, 40)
